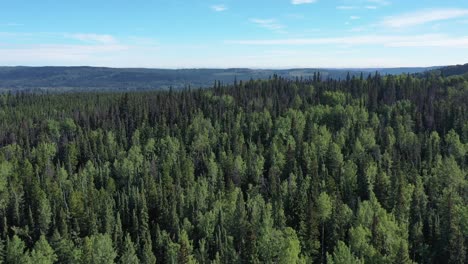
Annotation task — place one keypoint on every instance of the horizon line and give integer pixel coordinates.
(233, 68)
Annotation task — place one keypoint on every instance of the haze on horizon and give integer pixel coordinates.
(234, 34)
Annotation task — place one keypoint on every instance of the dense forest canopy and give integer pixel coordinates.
(362, 170)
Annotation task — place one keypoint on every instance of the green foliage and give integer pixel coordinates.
(67, 251)
(98, 249)
(324, 207)
(334, 98)
(277, 171)
(43, 253)
(290, 249)
(16, 251)
(5, 171)
(343, 255)
(129, 255)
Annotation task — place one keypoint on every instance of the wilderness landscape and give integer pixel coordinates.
(292, 131)
(268, 171)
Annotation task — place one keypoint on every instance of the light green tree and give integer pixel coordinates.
(16, 252)
(129, 255)
(343, 255)
(43, 253)
(98, 249)
(324, 210)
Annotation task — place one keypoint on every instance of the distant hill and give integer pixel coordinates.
(447, 71)
(99, 78)
(453, 70)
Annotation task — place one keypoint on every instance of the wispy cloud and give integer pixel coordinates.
(90, 37)
(423, 17)
(295, 16)
(15, 35)
(431, 40)
(346, 7)
(301, 2)
(354, 17)
(379, 2)
(50, 54)
(11, 24)
(141, 41)
(358, 29)
(461, 42)
(363, 4)
(270, 24)
(83, 39)
(219, 8)
(132, 54)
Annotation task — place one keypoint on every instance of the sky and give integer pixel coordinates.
(234, 33)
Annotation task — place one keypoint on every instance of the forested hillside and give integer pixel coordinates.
(363, 170)
(65, 79)
(453, 70)
(448, 71)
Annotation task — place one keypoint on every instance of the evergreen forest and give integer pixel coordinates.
(366, 169)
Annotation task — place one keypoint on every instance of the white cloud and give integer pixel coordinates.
(295, 16)
(93, 49)
(358, 29)
(190, 56)
(11, 24)
(379, 2)
(346, 7)
(461, 42)
(301, 2)
(165, 58)
(113, 55)
(423, 17)
(219, 8)
(85, 39)
(354, 17)
(15, 35)
(49, 54)
(90, 37)
(380, 40)
(436, 27)
(141, 41)
(270, 24)
(373, 4)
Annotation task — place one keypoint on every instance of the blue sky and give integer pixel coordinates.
(234, 33)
